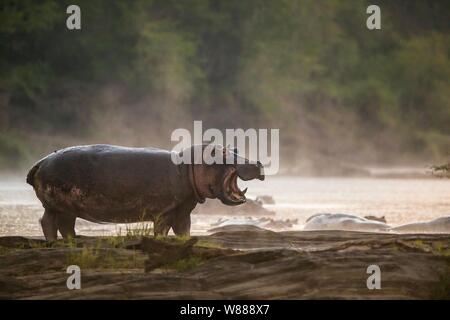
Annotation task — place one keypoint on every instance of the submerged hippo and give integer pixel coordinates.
(105, 183)
(341, 221)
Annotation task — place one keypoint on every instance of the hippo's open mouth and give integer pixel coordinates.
(231, 192)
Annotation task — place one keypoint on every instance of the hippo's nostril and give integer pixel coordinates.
(259, 164)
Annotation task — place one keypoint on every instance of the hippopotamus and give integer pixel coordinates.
(113, 184)
(438, 225)
(341, 221)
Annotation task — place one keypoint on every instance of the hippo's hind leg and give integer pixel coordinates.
(48, 224)
(66, 225)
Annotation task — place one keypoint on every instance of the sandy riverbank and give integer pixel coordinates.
(235, 263)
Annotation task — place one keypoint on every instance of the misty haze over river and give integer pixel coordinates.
(399, 200)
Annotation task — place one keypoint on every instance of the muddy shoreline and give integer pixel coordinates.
(239, 262)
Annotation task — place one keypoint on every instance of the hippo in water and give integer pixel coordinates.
(113, 184)
(341, 221)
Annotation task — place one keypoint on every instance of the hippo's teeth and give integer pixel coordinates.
(244, 191)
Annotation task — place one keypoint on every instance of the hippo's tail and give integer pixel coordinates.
(32, 172)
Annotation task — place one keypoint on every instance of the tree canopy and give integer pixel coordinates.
(139, 69)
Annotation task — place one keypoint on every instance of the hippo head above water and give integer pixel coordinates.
(113, 184)
(215, 175)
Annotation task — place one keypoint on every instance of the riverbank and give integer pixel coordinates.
(238, 262)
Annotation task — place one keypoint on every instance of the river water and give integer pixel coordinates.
(399, 200)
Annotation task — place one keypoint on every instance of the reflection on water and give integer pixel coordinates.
(400, 201)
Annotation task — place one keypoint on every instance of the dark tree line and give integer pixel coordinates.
(139, 69)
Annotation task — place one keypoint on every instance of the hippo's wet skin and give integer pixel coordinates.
(104, 183)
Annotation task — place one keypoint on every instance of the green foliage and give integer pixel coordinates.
(208, 244)
(184, 264)
(13, 151)
(441, 291)
(96, 256)
(5, 250)
(230, 63)
(141, 229)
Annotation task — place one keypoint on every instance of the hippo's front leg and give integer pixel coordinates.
(182, 225)
(178, 218)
